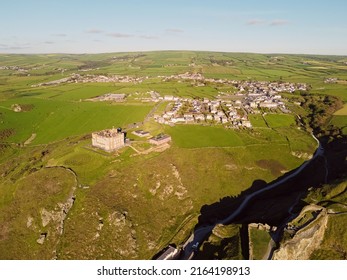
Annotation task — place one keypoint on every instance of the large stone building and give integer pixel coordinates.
(109, 139)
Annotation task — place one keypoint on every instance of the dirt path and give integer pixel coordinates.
(30, 139)
(159, 149)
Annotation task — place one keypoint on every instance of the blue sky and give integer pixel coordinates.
(85, 26)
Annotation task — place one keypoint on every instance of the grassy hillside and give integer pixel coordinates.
(60, 198)
(53, 120)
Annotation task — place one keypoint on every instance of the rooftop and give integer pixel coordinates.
(109, 133)
(160, 137)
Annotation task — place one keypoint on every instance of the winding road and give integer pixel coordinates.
(200, 234)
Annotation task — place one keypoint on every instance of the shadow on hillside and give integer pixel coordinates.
(271, 207)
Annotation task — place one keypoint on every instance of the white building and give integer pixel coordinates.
(246, 123)
(109, 139)
(199, 117)
(209, 117)
(268, 104)
(168, 97)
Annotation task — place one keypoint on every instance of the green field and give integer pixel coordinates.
(130, 205)
(279, 120)
(195, 136)
(342, 112)
(56, 120)
(257, 120)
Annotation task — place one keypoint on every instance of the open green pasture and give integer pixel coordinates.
(68, 92)
(342, 112)
(279, 120)
(78, 92)
(175, 88)
(196, 136)
(338, 90)
(257, 120)
(53, 120)
(184, 89)
(272, 120)
(312, 70)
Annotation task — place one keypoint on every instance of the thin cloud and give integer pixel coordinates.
(120, 35)
(174, 30)
(59, 35)
(94, 31)
(48, 42)
(276, 22)
(148, 37)
(256, 22)
(13, 47)
(279, 22)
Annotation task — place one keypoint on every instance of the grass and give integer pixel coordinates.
(121, 184)
(259, 240)
(73, 92)
(279, 120)
(223, 244)
(196, 136)
(44, 189)
(340, 121)
(139, 201)
(257, 120)
(342, 112)
(334, 243)
(56, 120)
(333, 197)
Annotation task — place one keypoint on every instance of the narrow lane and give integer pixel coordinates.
(199, 234)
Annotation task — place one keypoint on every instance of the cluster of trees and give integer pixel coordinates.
(319, 110)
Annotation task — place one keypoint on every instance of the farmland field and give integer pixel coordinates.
(342, 112)
(55, 120)
(190, 136)
(257, 121)
(133, 202)
(279, 120)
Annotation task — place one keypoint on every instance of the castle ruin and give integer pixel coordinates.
(109, 140)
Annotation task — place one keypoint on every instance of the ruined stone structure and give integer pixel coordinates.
(108, 139)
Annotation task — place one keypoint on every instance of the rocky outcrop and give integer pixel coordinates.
(261, 226)
(53, 220)
(176, 188)
(305, 241)
(181, 190)
(58, 215)
(42, 238)
(123, 228)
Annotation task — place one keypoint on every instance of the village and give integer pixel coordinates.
(90, 78)
(188, 111)
(229, 109)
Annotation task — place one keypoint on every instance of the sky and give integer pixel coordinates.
(99, 26)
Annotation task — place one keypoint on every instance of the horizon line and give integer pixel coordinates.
(168, 50)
